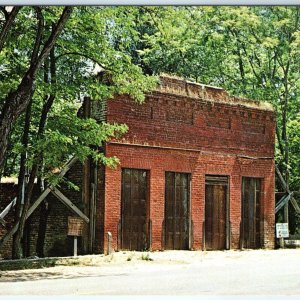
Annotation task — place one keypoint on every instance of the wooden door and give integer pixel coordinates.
(177, 211)
(215, 212)
(250, 235)
(134, 210)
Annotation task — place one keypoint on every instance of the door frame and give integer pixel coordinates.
(211, 181)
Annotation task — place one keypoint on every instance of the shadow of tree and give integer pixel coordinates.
(18, 276)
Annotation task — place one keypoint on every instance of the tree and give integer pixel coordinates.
(53, 131)
(17, 100)
(253, 52)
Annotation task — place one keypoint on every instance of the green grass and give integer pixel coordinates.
(146, 256)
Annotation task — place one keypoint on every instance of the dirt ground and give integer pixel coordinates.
(250, 272)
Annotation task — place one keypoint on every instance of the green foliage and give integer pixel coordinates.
(294, 138)
(251, 51)
(146, 257)
(94, 40)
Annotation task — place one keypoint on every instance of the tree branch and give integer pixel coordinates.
(39, 34)
(279, 141)
(7, 25)
(4, 11)
(17, 101)
(56, 31)
(83, 55)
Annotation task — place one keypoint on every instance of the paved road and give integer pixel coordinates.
(259, 272)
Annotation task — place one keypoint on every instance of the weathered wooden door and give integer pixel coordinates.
(216, 188)
(177, 210)
(134, 210)
(250, 235)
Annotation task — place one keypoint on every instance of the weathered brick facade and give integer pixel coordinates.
(187, 127)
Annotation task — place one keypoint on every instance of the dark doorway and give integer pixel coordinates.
(250, 229)
(216, 191)
(134, 210)
(177, 211)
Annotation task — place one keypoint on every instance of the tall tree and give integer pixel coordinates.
(251, 51)
(17, 100)
(85, 48)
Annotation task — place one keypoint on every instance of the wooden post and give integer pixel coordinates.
(285, 220)
(75, 245)
(203, 236)
(92, 207)
(281, 242)
(286, 213)
(60, 196)
(109, 243)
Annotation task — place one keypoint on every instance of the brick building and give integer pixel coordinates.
(196, 172)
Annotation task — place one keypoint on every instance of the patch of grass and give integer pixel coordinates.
(146, 256)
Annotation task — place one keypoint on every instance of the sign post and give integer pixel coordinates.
(282, 231)
(75, 227)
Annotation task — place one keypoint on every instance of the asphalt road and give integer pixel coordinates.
(258, 272)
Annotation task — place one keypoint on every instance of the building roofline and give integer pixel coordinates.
(177, 86)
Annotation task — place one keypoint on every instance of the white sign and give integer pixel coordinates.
(282, 230)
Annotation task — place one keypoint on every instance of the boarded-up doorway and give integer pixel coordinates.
(216, 212)
(250, 229)
(134, 210)
(177, 211)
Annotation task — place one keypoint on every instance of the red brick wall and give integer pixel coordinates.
(198, 164)
(211, 134)
(187, 123)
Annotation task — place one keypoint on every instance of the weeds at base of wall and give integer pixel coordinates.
(130, 256)
(146, 257)
(88, 260)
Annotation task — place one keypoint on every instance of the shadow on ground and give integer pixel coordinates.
(32, 276)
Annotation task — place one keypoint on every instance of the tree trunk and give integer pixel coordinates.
(45, 208)
(7, 25)
(17, 251)
(44, 213)
(17, 101)
(285, 139)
